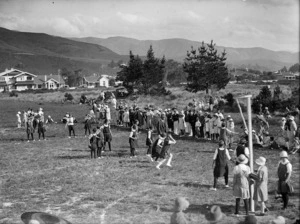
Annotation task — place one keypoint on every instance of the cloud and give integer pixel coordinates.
(133, 18)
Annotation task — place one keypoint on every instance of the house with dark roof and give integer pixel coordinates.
(14, 79)
(50, 81)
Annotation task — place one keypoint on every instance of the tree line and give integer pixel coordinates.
(202, 69)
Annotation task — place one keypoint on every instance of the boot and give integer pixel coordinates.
(246, 206)
(237, 206)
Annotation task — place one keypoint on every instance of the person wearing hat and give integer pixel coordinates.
(125, 118)
(278, 220)
(41, 128)
(241, 184)
(241, 149)
(261, 184)
(41, 113)
(284, 172)
(181, 123)
(175, 118)
(296, 145)
(19, 119)
(70, 125)
(221, 156)
(107, 134)
(214, 215)
(230, 127)
(29, 128)
(164, 142)
(290, 128)
(178, 217)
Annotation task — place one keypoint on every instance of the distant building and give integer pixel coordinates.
(49, 81)
(14, 79)
(95, 81)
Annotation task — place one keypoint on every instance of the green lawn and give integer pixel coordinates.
(58, 176)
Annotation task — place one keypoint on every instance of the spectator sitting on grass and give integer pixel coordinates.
(215, 215)
(295, 146)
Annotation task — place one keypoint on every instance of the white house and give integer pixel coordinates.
(49, 81)
(104, 80)
(91, 81)
(14, 79)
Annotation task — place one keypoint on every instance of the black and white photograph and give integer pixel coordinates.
(149, 111)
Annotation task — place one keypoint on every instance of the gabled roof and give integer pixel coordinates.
(55, 78)
(91, 79)
(15, 73)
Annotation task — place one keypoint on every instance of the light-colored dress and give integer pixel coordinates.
(240, 181)
(261, 185)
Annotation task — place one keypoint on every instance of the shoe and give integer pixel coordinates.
(44, 139)
(135, 156)
(226, 186)
(169, 165)
(39, 140)
(28, 141)
(278, 196)
(157, 167)
(130, 157)
(260, 214)
(231, 150)
(213, 189)
(100, 157)
(267, 210)
(69, 137)
(237, 214)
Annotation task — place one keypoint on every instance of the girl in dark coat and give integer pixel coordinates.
(30, 128)
(93, 143)
(149, 142)
(87, 124)
(41, 129)
(100, 141)
(133, 140)
(107, 134)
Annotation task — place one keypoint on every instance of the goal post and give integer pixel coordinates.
(250, 144)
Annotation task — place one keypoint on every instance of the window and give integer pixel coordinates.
(51, 85)
(29, 78)
(103, 83)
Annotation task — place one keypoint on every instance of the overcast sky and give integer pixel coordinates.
(272, 24)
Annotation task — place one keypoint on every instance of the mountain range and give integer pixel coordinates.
(255, 58)
(41, 53)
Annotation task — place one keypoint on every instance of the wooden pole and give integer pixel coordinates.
(241, 112)
(250, 146)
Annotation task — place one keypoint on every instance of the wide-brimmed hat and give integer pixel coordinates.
(283, 119)
(261, 161)
(228, 116)
(278, 220)
(292, 118)
(19, 112)
(230, 119)
(214, 215)
(41, 217)
(283, 154)
(242, 159)
(181, 204)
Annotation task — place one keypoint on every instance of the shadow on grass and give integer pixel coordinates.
(203, 209)
(73, 157)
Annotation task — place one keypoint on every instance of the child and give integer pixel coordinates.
(220, 159)
(100, 141)
(126, 120)
(241, 183)
(19, 119)
(197, 127)
(166, 144)
(133, 140)
(296, 145)
(93, 143)
(261, 184)
(230, 126)
(207, 126)
(29, 128)
(70, 125)
(284, 172)
(87, 124)
(41, 129)
(149, 141)
(177, 217)
(107, 134)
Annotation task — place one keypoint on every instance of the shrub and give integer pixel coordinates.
(13, 93)
(229, 98)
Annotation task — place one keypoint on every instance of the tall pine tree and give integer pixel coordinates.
(206, 68)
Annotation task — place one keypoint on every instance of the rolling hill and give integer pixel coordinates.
(41, 53)
(255, 58)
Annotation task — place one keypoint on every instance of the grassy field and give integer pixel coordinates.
(58, 176)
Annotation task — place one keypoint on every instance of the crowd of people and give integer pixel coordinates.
(194, 122)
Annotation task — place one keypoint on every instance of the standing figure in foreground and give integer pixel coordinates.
(41, 128)
(29, 128)
(93, 143)
(167, 142)
(261, 184)
(241, 184)
(284, 172)
(70, 125)
(149, 142)
(19, 119)
(133, 140)
(220, 159)
(107, 134)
